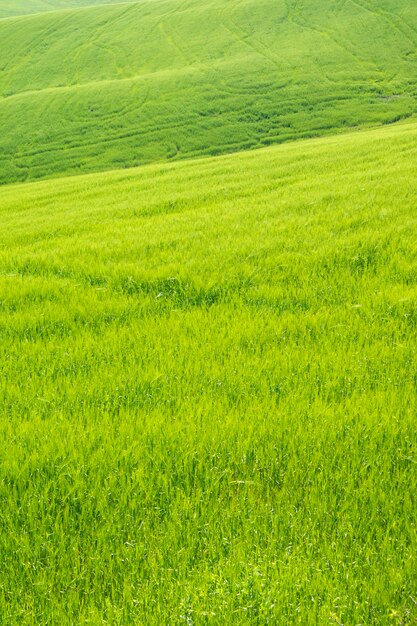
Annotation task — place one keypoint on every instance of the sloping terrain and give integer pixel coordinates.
(119, 85)
(12, 8)
(208, 368)
(208, 390)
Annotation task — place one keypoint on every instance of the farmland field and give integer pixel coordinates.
(15, 8)
(209, 390)
(118, 85)
(208, 312)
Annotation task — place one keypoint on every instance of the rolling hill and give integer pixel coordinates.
(118, 85)
(208, 389)
(208, 362)
(13, 8)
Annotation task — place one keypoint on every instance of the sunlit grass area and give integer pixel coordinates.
(208, 390)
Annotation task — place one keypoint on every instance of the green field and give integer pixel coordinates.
(208, 389)
(14, 8)
(111, 86)
(208, 312)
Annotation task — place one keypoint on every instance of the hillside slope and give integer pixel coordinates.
(12, 8)
(120, 85)
(208, 390)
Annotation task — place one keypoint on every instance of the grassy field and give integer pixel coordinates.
(13, 8)
(113, 86)
(208, 390)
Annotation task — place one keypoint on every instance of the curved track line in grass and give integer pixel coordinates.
(115, 138)
(168, 33)
(159, 25)
(325, 33)
(67, 15)
(246, 38)
(110, 24)
(391, 19)
(98, 83)
(147, 133)
(291, 6)
(249, 91)
(174, 38)
(39, 39)
(340, 5)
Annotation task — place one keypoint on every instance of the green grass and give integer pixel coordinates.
(13, 8)
(208, 390)
(90, 89)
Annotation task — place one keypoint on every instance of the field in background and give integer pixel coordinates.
(121, 85)
(209, 390)
(14, 8)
